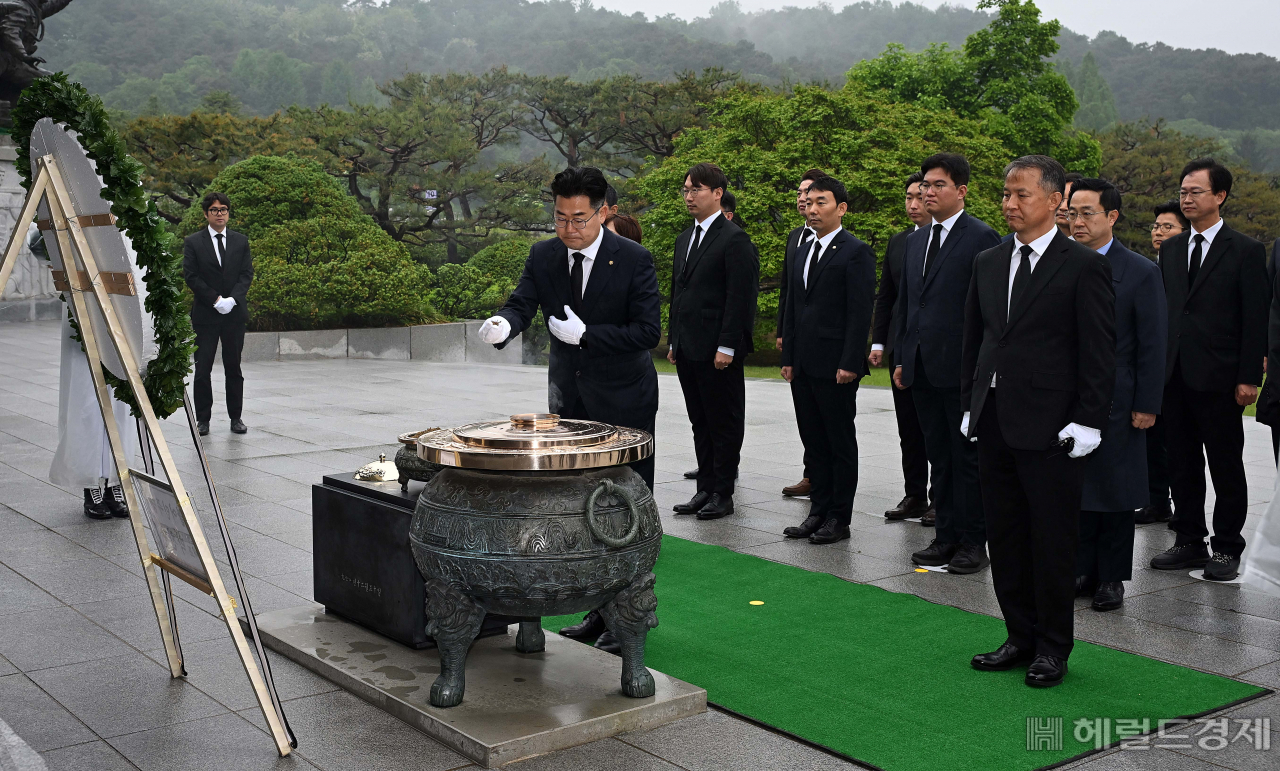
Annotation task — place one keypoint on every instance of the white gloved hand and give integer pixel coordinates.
(964, 427)
(570, 330)
(495, 330)
(1086, 439)
(224, 305)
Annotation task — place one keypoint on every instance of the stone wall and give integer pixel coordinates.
(429, 342)
(29, 294)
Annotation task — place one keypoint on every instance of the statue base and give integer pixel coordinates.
(517, 705)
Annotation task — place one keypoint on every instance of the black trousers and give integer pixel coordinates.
(208, 336)
(915, 458)
(642, 467)
(825, 411)
(1106, 545)
(1032, 503)
(958, 495)
(1158, 463)
(716, 400)
(1200, 424)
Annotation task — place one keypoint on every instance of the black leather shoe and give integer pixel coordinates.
(116, 502)
(609, 644)
(930, 517)
(1222, 567)
(1110, 595)
(830, 532)
(1086, 586)
(691, 474)
(95, 504)
(202, 428)
(969, 559)
(1046, 671)
(1190, 555)
(907, 508)
(936, 554)
(586, 630)
(807, 528)
(238, 427)
(1153, 514)
(696, 502)
(719, 506)
(1002, 659)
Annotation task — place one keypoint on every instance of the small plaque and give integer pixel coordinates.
(169, 529)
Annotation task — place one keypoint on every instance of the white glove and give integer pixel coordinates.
(1086, 439)
(964, 427)
(495, 330)
(224, 305)
(570, 330)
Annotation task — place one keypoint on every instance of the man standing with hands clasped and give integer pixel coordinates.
(219, 269)
(712, 316)
(1037, 373)
(829, 297)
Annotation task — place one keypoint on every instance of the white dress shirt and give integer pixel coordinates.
(1209, 234)
(947, 225)
(1037, 251)
(819, 246)
(588, 259)
(214, 235)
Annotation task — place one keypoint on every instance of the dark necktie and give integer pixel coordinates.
(575, 282)
(1197, 254)
(222, 253)
(934, 245)
(693, 246)
(1021, 278)
(805, 236)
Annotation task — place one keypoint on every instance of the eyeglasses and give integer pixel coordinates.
(938, 186)
(1165, 227)
(689, 192)
(217, 210)
(1075, 215)
(1193, 193)
(577, 223)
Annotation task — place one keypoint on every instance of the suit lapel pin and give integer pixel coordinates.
(610, 262)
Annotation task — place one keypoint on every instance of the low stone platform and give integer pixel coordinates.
(516, 705)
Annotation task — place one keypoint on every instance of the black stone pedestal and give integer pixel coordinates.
(363, 567)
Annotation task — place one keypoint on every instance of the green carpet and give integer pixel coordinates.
(885, 677)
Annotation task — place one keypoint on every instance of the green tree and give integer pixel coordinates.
(652, 113)
(1097, 104)
(578, 119)
(269, 80)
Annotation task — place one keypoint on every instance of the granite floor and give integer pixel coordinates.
(81, 673)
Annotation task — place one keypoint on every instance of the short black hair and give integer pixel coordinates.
(709, 176)
(1073, 177)
(811, 175)
(831, 185)
(611, 196)
(1108, 195)
(583, 180)
(1174, 208)
(914, 179)
(728, 202)
(955, 164)
(1219, 176)
(1053, 178)
(213, 197)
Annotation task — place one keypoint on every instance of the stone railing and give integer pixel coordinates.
(455, 342)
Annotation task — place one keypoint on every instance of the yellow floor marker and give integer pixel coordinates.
(756, 602)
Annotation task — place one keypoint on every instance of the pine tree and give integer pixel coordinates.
(1097, 104)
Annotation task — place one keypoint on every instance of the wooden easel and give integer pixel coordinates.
(49, 185)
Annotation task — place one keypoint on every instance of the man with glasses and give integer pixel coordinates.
(714, 281)
(1115, 482)
(219, 269)
(1215, 279)
(1170, 221)
(599, 294)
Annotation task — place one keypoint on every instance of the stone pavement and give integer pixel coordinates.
(81, 678)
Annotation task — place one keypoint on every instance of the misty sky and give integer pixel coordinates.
(1235, 26)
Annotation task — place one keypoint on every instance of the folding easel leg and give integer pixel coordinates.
(28, 214)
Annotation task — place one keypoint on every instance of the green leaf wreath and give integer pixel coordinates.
(68, 102)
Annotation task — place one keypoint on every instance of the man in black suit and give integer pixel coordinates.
(1215, 279)
(599, 294)
(918, 501)
(797, 240)
(935, 287)
(830, 294)
(1038, 370)
(219, 269)
(1115, 481)
(711, 319)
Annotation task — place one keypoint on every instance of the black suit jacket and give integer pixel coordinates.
(827, 323)
(1055, 350)
(713, 293)
(1217, 328)
(208, 280)
(788, 257)
(612, 370)
(883, 330)
(931, 308)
